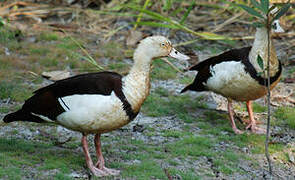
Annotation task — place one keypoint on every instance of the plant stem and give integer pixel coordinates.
(140, 14)
(268, 98)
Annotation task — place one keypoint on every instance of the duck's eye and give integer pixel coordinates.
(275, 26)
(163, 44)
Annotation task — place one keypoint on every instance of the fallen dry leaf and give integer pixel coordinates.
(56, 75)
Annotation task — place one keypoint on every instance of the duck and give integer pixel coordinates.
(97, 103)
(237, 75)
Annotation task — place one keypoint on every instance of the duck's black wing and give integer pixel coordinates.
(203, 67)
(45, 101)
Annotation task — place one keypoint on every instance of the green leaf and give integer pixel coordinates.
(257, 4)
(251, 11)
(141, 13)
(155, 24)
(265, 6)
(281, 12)
(260, 62)
(211, 36)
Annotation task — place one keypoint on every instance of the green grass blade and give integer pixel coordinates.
(192, 5)
(121, 14)
(265, 6)
(251, 11)
(140, 14)
(257, 5)
(88, 56)
(111, 33)
(89, 59)
(176, 25)
(212, 36)
(156, 24)
(167, 5)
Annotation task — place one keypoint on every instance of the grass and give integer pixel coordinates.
(14, 90)
(285, 116)
(40, 51)
(201, 134)
(162, 70)
(48, 36)
(67, 44)
(7, 35)
(257, 108)
(17, 154)
(168, 104)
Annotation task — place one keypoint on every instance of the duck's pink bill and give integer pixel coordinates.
(177, 55)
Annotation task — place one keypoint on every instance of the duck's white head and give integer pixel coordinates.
(158, 46)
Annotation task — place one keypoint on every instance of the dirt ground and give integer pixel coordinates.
(184, 137)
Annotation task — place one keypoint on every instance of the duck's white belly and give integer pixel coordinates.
(92, 113)
(231, 80)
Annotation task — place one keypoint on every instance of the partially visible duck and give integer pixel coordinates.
(236, 75)
(97, 103)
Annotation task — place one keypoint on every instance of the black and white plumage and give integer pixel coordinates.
(236, 75)
(97, 102)
(67, 101)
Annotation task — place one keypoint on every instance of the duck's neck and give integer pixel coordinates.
(136, 84)
(260, 46)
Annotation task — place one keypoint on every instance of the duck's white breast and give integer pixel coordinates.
(231, 80)
(92, 113)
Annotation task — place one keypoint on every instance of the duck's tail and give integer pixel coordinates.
(186, 88)
(10, 117)
(2, 123)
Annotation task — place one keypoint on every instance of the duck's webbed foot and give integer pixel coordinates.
(252, 124)
(100, 160)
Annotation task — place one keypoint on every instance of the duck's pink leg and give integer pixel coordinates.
(252, 123)
(93, 169)
(231, 117)
(100, 160)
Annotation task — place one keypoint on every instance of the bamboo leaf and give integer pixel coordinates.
(281, 12)
(265, 6)
(156, 24)
(257, 4)
(193, 3)
(260, 62)
(251, 11)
